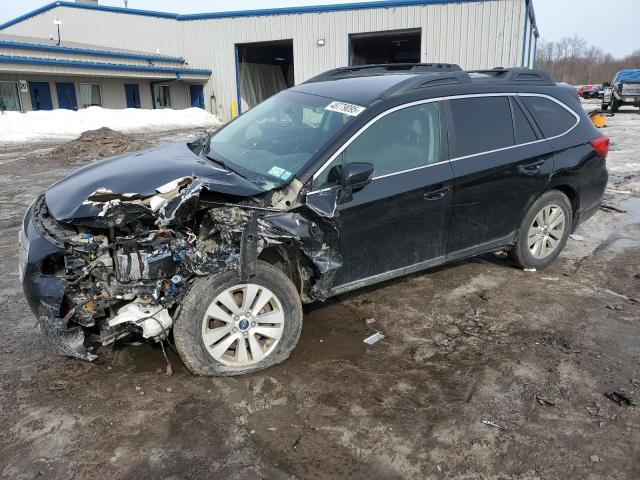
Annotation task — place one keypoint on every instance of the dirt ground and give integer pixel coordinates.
(486, 371)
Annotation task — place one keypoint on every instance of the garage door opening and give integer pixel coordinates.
(398, 46)
(264, 69)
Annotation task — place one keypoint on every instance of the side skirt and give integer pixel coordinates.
(493, 245)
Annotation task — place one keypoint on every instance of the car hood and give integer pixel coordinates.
(139, 175)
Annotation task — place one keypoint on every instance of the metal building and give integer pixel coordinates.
(253, 54)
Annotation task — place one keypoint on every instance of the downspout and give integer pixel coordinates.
(529, 50)
(524, 34)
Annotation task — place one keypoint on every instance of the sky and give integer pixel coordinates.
(613, 25)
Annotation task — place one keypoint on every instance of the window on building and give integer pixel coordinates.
(405, 139)
(9, 97)
(481, 124)
(163, 96)
(90, 95)
(552, 119)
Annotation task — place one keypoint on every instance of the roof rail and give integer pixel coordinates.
(365, 70)
(514, 75)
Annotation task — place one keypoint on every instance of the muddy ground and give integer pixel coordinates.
(531, 353)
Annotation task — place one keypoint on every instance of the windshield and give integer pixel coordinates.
(274, 140)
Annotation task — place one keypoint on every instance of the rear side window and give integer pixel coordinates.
(524, 130)
(552, 119)
(480, 124)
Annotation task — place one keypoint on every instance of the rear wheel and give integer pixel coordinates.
(227, 327)
(543, 231)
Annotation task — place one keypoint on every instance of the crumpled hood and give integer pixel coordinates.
(139, 174)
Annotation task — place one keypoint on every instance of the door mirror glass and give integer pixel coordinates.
(606, 84)
(357, 174)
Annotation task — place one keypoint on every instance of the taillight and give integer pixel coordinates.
(601, 145)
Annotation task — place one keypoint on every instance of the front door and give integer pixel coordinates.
(501, 166)
(132, 92)
(398, 222)
(67, 96)
(40, 96)
(197, 96)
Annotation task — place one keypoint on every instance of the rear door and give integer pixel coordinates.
(501, 164)
(398, 221)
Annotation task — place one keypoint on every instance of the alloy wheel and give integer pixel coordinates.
(242, 325)
(546, 231)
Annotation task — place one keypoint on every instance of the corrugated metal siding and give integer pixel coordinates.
(474, 35)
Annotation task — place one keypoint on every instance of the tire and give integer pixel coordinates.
(190, 326)
(539, 256)
(615, 104)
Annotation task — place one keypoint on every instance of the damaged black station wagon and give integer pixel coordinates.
(357, 176)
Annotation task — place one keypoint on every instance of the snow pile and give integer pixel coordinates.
(67, 124)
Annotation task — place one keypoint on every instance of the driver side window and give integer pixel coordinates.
(402, 140)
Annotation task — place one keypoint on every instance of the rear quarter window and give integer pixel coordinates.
(480, 124)
(552, 119)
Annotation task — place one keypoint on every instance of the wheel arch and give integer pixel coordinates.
(291, 261)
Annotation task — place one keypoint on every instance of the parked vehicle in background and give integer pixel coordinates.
(624, 89)
(595, 92)
(357, 176)
(581, 89)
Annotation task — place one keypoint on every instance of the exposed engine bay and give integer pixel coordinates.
(126, 270)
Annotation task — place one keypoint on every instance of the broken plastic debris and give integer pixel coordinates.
(376, 337)
(369, 321)
(530, 270)
(551, 279)
(493, 424)
(153, 320)
(578, 238)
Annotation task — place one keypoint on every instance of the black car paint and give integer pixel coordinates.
(140, 173)
(394, 225)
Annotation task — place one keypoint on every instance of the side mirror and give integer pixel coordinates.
(357, 175)
(606, 84)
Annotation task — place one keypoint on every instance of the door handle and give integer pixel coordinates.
(437, 194)
(534, 167)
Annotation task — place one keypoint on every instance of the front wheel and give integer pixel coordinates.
(615, 104)
(228, 327)
(543, 231)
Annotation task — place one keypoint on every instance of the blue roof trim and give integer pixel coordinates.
(104, 66)
(87, 51)
(241, 13)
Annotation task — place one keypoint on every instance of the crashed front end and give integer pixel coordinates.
(92, 280)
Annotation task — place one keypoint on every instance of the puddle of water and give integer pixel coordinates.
(632, 207)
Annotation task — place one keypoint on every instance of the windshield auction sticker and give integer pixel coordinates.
(346, 108)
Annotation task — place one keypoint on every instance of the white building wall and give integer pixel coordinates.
(474, 35)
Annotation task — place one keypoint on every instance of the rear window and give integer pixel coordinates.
(481, 124)
(552, 119)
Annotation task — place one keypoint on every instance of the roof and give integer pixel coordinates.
(46, 45)
(250, 13)
(364, 85)
(363, 90)
(172, 71)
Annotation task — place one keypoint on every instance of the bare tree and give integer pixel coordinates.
(572, 60)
